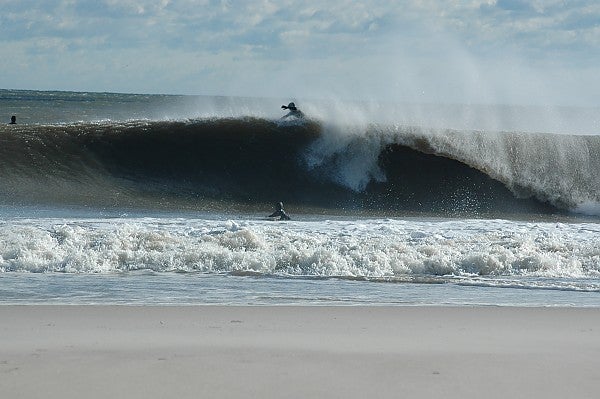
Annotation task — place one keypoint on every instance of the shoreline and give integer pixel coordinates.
(97, 351)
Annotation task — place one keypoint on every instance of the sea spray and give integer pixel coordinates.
(560, 169)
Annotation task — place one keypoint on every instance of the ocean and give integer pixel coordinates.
(156, 199)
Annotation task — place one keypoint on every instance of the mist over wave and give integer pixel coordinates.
(254, 162)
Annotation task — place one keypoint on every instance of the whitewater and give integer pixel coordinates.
(114, 198)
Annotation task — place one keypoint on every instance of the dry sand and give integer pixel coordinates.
(298, 352)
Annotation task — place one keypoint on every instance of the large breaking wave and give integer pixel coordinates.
(236, 163)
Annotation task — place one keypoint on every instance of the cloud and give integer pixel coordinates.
(420, 50)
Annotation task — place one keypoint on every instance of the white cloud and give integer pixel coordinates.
(419, 50)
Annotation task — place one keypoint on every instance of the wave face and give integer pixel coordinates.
(250, 163)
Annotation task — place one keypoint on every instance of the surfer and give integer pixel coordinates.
(13, 120)
(295, 112)
(279, 212)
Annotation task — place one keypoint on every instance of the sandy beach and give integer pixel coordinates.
(298, 352)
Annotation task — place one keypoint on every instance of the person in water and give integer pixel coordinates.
(295, 112)
(279, 212)
(13, 120)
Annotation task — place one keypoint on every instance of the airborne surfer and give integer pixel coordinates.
(295, 112)
(279, 212)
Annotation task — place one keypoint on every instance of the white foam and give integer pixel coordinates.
(365, 248)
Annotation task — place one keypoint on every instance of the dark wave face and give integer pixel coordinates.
(250, 163)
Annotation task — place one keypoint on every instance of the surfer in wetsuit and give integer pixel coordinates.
(295, 112)
(279, 212)
(13, 120)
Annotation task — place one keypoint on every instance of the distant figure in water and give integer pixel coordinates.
(279, 212)
(295, 112)
(13, 120)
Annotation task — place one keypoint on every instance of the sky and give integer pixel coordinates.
(538, 52)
